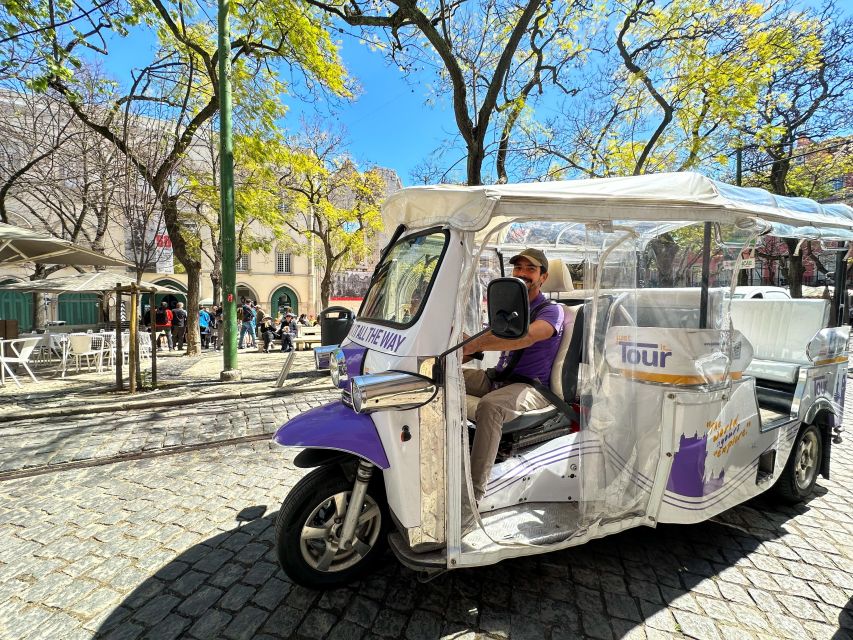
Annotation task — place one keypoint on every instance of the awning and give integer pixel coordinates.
(18, 246)
(664, 197)
(99, 281)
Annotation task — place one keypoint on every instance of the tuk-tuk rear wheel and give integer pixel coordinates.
(309, 525)
(798, 479)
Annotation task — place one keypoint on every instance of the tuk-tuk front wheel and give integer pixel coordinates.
(800, 474)
(309, 525)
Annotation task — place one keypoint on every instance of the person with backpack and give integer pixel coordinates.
(204, 322)
(163, 324)
(179, 326)
(246, 328)
(521, 380)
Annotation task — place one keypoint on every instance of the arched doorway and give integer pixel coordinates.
(15, 305)
(245, 291)
(281, 298)
(171, 298)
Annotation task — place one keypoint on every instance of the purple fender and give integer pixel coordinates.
(337, 427)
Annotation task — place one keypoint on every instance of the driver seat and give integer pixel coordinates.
(564, 371)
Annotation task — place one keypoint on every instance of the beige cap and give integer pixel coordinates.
(536, 256)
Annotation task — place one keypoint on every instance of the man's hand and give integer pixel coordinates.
(539, 330)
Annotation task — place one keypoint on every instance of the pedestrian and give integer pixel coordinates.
(267, 329)
(287, 331)
(163, 324)
(246, 328)
(259, 318)
(204, 327)
(179, 326)
(303, 320)
(219, 321)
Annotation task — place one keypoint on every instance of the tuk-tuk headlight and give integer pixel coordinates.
(391, 390)
(338, 367)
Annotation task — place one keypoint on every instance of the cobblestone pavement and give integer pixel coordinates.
(170, 547)
(181, 546)
(35, 443)
(175, 371)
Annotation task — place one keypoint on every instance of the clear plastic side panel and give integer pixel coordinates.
(640, 346)
(621, 452)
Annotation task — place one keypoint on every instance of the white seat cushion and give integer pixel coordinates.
(774, 370)
(779, 331)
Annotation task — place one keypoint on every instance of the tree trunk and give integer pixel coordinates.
(665, 250)
(216, 280)
(326, 288)
(475, 164)
(191, 264)
(193, 300)
(795, 269)
(39, 313)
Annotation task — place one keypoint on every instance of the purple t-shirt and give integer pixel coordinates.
(537, 359)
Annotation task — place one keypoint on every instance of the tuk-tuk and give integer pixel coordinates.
(674, 404)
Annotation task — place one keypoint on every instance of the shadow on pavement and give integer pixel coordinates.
(231, 586)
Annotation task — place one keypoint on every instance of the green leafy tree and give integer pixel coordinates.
(491, 57)
(672, 79)
(810, 98)
(333, 208)
(182, 78)
(257, 207)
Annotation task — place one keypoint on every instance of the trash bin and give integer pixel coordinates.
(335, 323)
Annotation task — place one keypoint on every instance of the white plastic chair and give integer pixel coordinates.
(144, 340)
(21, 349)
(84, 345)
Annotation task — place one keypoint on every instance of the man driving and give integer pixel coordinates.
(530, 357)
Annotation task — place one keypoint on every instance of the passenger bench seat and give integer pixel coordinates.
(779, 331)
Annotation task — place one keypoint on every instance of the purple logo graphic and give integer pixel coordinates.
(650, 354)
(377, 336)
(820, 385)
(687, 476)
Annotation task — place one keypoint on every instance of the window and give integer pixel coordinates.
(243, 263)
(282, 262)
(403, 279)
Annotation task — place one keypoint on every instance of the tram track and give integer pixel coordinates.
(130, 456)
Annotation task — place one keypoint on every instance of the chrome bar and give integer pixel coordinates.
(391, 390)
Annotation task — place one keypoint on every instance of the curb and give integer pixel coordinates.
(153, 403)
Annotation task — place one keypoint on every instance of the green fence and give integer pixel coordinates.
(15, 305)
(79, 308)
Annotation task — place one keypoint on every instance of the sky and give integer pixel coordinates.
(389, 124)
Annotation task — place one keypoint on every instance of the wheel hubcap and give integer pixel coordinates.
(806, 461)
(320, 541)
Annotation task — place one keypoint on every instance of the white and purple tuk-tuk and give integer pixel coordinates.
(682, 402)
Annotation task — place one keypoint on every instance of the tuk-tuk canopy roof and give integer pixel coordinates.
(683, 197)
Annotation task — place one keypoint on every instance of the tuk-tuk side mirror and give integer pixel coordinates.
(509, 313)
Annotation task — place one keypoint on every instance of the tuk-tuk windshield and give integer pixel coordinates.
(402, 280)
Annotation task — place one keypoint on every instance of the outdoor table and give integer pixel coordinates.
(21, 349)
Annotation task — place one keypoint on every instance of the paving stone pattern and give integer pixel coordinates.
(181, 546)
(159, 548)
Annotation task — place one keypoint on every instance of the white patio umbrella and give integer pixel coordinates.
(18, 245)
(99, 281)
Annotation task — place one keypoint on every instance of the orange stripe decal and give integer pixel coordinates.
(675, 379)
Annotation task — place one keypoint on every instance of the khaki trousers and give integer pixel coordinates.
(496, 408)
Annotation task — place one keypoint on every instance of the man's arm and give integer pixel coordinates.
(539, 330)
